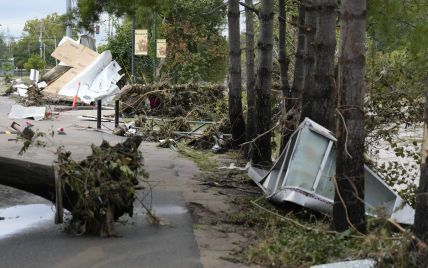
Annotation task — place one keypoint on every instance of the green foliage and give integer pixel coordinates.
(101, 187)
(196, 49)
(53, 30)
(120, 46)
(394, 103)
(301, 240)
(3, 47)
(397, 24)
(35, 62)
(88, 11)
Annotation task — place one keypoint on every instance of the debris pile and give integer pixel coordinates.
(213, 137)
(101, 187)
(190, 100)
(88, 75)
(34, 97)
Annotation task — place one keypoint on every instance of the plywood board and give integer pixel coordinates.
(58, 84)
(75, 55)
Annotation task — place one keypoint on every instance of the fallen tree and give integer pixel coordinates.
(97, 191)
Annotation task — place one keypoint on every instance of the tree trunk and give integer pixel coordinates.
(320, 98)
(262, 151)
(421, 216)
(235, 89)
(348, 209)
(295, 102)
(311, 15)
(251, 92)
(31, 177)
(283, 64)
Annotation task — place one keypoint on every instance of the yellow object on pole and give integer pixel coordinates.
(141, 42)
(161, 48)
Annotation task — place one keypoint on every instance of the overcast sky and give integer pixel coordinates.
(14, 13)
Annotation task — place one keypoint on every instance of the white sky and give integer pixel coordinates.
(14, 14)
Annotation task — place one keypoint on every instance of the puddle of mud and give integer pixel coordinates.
(20, 218)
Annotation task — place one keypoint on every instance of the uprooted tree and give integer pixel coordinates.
(101, 188)
(97, 190)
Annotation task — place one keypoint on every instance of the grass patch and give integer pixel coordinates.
(203, 159)
(301, 239)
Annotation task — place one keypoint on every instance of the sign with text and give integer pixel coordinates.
(141, 42)
(161, 48)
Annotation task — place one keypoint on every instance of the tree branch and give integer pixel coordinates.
(250, 8)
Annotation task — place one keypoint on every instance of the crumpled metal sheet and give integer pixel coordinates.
(305, 171)
(367, 263)
(20, 112)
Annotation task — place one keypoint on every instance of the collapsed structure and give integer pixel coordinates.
(305, 171)
(83, 72)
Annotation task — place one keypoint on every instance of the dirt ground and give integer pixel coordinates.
(220, 239)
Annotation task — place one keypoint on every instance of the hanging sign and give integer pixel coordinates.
(161, 48)
(141, 41)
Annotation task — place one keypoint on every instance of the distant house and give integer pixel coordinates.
(7, 67)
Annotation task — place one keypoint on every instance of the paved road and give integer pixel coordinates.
(139, 244)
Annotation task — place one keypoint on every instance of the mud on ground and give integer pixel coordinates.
(220, 237)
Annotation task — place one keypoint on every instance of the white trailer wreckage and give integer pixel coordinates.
(305, 171)
(91, 76)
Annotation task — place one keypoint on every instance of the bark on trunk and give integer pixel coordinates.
(251, 131)
(293, 105)
(235, 89)
(320, 98)
(31, 177)
(348, 209)
(283, 64)
(261, 151)
(421, 216)
(311, 15)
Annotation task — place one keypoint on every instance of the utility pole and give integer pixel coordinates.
(155, 45)
(56, 44)
(68, 31)
(133, 46)
(40, 39)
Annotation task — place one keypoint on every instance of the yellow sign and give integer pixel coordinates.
(161, 48)
(141, 42)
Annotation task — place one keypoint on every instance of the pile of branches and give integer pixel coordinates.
(34, 97)
(214, 134)
(101, 188)
(167, 100)
(149, 130)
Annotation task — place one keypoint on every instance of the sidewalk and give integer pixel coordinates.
(139, 244)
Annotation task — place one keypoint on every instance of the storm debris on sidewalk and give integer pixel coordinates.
(21, 112)
(102, 187)
(202, 135)
(90, 77)
(195, 101)
(213, 137)
(34, 97)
